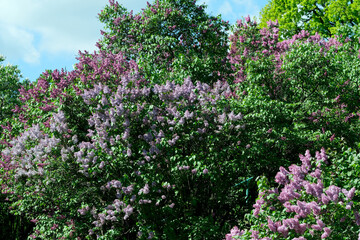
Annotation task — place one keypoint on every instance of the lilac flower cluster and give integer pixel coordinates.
(305, 201)
(29, 152)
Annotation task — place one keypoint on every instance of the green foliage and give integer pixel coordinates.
(9, 85)
(344, 169)
(325, 17)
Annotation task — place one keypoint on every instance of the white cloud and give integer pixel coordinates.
(35, 27)
(18, 43)
(64, 26)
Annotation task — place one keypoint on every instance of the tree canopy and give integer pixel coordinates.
(9, 85)
(326, 17)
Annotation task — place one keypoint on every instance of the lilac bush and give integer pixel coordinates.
(146, 154)
(56, 91)
(306, 205)
(295, 95)
(186, 114)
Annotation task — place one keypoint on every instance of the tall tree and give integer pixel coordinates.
(326, 17)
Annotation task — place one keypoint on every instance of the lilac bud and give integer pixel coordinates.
(102, 164)
(326, 233)
(351, 193)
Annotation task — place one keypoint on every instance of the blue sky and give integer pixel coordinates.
(47, 34)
